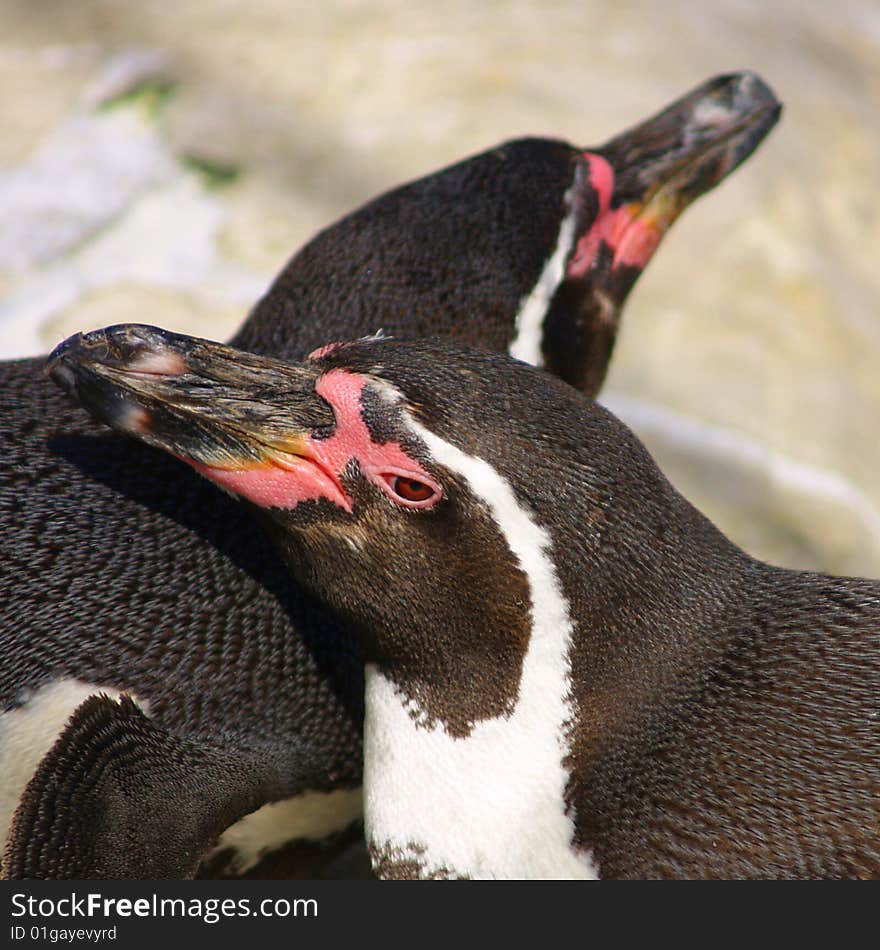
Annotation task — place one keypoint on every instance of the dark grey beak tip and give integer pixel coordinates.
(62, 374)
(121, 347)
(746, 91)
(736, 103)
(696, 141)
(62, 350)
(747, 96)
(58, 363)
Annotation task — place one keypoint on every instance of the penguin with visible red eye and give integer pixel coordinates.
(122, 573)
(570, 671)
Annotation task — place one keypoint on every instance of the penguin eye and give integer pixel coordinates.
(409, 491)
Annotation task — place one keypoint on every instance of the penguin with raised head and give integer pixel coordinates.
(123, 574)
(570, 671)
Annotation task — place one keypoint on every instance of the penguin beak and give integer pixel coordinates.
(667, 162)
(206, 403)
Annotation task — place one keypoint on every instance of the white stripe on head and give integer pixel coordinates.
(491, 804)
(533, 308)
(28, 732)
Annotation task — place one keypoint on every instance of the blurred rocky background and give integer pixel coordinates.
(160, 161)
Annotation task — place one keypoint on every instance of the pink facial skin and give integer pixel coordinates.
(631, 238)
(284, 480)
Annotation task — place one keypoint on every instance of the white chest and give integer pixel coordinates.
(487, 806)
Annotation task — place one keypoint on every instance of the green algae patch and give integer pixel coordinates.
(213, 172)
(150, 96)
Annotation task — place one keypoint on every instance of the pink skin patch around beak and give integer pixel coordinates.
(284, 480)
(632, 239)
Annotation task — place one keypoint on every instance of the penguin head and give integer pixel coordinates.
(408, 484)
(530, 247)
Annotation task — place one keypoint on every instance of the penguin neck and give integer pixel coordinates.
(490, 803)
(613, 643)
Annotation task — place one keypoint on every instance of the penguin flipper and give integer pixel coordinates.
(117, 796)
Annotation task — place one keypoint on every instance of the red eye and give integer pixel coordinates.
(406, 489)
(409, 489)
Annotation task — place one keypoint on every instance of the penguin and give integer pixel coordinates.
(622, 692)
(141, 610)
